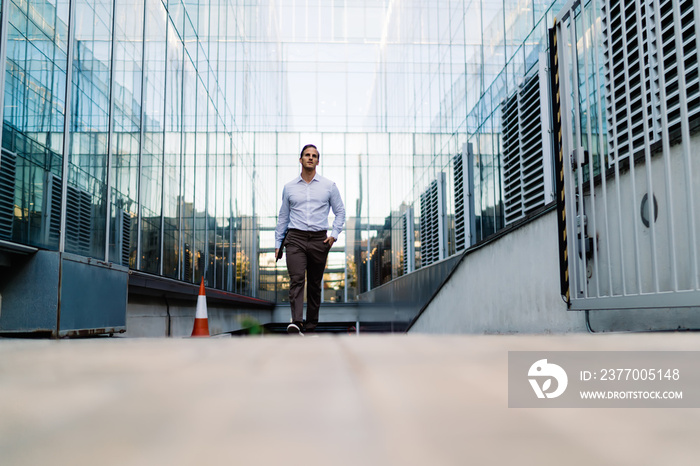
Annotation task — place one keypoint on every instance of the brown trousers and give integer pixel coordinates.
(306, 254)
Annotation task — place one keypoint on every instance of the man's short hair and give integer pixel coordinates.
(301, 154)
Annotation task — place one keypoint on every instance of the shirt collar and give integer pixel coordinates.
(317, 177)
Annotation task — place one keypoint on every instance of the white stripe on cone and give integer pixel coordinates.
(201, 312)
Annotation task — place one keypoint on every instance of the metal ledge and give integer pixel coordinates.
(16, 248)
(145, 284)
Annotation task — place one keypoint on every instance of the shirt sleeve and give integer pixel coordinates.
(338, 211)
(282, 219)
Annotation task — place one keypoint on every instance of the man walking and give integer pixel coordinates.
(303, 216)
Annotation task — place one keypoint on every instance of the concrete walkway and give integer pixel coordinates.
(331, 400)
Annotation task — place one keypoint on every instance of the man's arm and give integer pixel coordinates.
(282, 221)
(338, 211)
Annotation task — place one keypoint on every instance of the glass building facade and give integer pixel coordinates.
(158, 134)
(122, 132)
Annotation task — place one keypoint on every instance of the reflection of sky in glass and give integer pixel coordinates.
(330, 52)
(389, 65)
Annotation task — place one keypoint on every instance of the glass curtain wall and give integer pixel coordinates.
(444, 71)
(126, 131)
(34, 119)
(90, 91)
(181, 120)
(140, 97)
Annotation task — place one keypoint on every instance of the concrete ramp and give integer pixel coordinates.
(509, 285)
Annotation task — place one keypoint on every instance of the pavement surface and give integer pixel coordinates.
(330, 400)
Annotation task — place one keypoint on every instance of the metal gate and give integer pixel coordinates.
(626, 108)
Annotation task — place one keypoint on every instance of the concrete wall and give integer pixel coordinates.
(148, 316)
(508, 286)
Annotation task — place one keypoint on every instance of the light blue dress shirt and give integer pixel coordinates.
(305, 207)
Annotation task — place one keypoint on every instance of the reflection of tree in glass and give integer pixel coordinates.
(352, 271)
(242, 270)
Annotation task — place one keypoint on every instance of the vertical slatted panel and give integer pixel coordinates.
(124, 221)
(626, 67)
(425, 244)
(78, 221)
(627, 64)
(78, 216)
(689, 55)
(405, 246)
(460, 203)
(8, 169)
(409, 255)
(52, 208)
(432, 229)
(427, 225)
(523, 169)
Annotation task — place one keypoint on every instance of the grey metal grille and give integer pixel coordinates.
(78, 221)
(633, 66)
(460, 203)
(52, 209)
(78, 216)
(627, 72)
(523, 151)
(671, 57)
(8, 169)
(409, 254)
(124, 239)
(432, 220)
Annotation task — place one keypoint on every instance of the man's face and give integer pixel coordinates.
(309, 159)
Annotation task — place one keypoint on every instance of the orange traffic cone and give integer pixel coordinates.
(201, 321)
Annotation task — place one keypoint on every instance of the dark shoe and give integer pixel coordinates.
(310, 327)
(295, 328)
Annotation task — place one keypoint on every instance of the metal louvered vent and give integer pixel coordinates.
(432, 221)
(52, 209)
(409, 251)
(524, 131)
(78, 216)
(465, 220)
(8, 168)
(511, 159)
(627, 43)
(679, 22)
(124, 238)
(78, 221)
(634, 71)
(460, 203)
